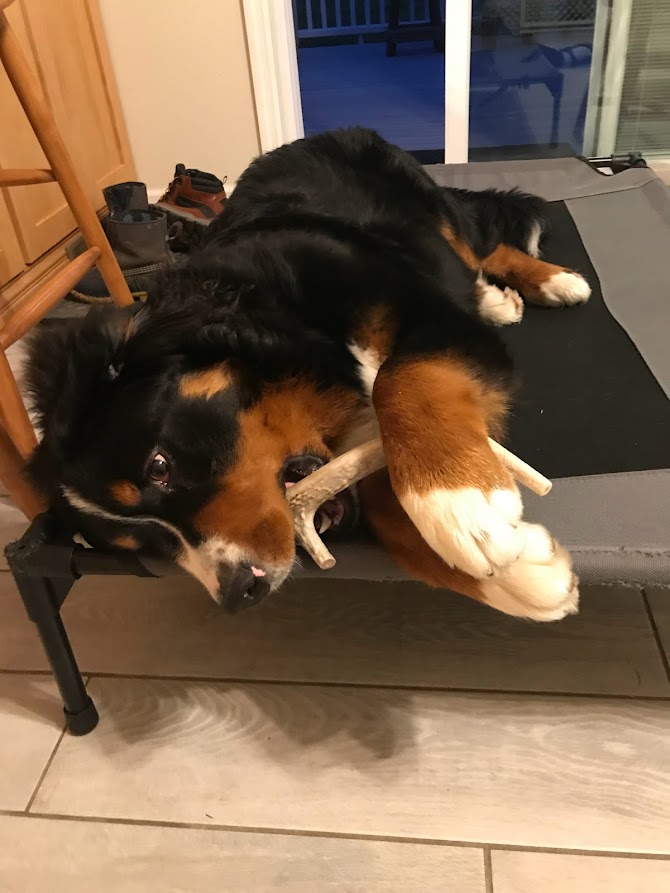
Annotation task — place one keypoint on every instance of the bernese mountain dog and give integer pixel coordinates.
(342, 294)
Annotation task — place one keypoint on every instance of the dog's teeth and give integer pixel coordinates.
(325, 524)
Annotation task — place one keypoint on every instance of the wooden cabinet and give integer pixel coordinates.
(64, 41)
(11, 259)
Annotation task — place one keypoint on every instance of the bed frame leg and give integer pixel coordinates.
(41, 604)
(28, 560)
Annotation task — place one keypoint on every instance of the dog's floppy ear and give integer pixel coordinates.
(67, 363)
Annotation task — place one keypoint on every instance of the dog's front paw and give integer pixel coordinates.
(540, 585)
(501, 308)
(564, 289)
(475, 531)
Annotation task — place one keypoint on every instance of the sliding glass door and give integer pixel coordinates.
(489, 79)
(530, 67)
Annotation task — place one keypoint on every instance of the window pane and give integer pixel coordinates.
(352, 72)
(529, 77)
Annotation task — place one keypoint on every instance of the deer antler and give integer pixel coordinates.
(308, 495)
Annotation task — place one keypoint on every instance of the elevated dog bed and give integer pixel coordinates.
(593, 414)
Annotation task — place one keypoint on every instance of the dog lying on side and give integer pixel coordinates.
(341, 294)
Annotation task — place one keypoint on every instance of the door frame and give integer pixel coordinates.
(457, 39)
(272, 44)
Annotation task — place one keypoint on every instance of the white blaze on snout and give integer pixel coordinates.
(204, 561)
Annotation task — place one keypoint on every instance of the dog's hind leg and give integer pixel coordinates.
(435, 415)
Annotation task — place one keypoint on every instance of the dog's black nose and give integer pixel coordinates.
(241, 588)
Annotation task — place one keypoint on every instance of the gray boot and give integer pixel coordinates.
(138, 235)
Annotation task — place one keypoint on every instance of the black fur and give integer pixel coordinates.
(315, 233)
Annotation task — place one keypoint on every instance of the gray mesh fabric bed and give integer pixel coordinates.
(593, 413)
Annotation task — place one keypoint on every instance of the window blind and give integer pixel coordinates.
(644, 116)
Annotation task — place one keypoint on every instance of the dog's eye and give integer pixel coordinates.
(159, 469)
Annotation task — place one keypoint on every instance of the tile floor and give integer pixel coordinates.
(344, 737)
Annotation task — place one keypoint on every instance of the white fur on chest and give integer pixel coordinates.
(369, 362)
(365, 426)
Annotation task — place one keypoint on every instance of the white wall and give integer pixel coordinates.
(183, 75)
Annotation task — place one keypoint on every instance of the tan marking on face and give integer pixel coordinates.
(126, 493)
(462, 249)
(249, 508)
(125, 541)
(519, 270)
(435, 417)
(207, 382)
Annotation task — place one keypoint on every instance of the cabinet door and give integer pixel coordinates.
(11, 260)
(66, 44)
(39, 211)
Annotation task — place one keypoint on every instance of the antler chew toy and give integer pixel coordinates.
(309, 494)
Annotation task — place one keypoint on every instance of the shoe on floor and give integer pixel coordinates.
(138, 235)
(193, 195)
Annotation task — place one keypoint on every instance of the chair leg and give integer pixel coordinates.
(436, 21)
(13, 413)
(393, 23)
(12, 465)
(29, 92)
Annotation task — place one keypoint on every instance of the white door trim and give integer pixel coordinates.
(615, 70)
(274, 71)
(457, 34)
(598, 56)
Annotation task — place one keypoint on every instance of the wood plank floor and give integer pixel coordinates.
(366, 737)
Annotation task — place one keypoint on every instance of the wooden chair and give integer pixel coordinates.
(17, 436)
(432, 30)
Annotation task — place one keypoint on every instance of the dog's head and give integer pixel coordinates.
(159, 434)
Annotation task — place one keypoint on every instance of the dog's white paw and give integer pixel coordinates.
(501, 308)
(540, 585)
(476, 532)
(564, 289)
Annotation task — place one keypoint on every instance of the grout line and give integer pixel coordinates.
(657, 635)
(383, 686)
(373, 686)
(10, 672)
(336, 835)
(44, 771)
(488, 870)
(48, 763)
(571, 851)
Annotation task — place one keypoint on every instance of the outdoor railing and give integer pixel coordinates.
(321, 18)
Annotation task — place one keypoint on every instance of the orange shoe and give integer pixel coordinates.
(193, 195)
